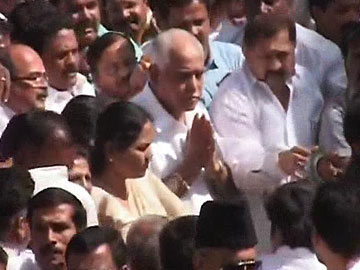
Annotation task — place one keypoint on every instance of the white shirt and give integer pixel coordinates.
(331, 134)
(286, 258)
(57, 100)
(319, 55)
(354, 265)
(256, 128)
(57, 177)
(168, 146)
(5, 116)
(25, 261)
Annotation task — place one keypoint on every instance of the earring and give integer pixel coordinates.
(110, 160)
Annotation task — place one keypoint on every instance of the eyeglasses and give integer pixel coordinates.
(35, 78)
(243, 265)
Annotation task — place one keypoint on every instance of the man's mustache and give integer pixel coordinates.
(49, 249)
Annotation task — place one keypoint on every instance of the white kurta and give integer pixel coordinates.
(5, 116)
(57, 100)
(255, 128)
(169, 145)
(286, 258)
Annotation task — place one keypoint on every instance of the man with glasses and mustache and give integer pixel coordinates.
(28, 89)
(225, 237)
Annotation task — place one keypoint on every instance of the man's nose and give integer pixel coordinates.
(72, 60)
(85, 14)
(195, 30)
(51, 237)
(276, 65)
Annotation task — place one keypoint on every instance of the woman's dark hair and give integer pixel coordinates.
(120, 124)
(81, 114)
(32, 129)
(100, 45)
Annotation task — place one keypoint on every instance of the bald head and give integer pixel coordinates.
(28, 82)
(174, 43)
(143, 242)
(24, 59)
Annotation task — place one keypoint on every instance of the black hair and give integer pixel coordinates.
(5, 27)
(8, 63)
(177, 243)
(352, 122)
(26, 15)
(288, 208)
(39, 33)
(31, 129)
(162, 7)
(53, 197)
(100, 45)
(16, 190)
(120, 124)
(352, 34)
(143, 242)
(265, 26)
(323, 4)
(81, 114)
(336, 217)
(3, 257)
(91, 238)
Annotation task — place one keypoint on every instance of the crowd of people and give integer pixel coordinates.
(179, 134)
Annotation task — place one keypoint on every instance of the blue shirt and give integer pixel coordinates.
(224, 58)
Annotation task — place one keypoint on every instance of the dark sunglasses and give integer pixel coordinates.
(243, 265)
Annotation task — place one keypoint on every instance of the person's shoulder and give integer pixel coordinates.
(226, 50)
(315, 41)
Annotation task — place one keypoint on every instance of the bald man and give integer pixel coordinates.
(185, 143)
(28, 89)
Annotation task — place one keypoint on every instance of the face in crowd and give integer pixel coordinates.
(61, 59)
(114, 70)
(341, 13)
(193, 18)
(183, 73)
(85, 15)
(272, 57)
(29, 83)
(51, 230)
(128, 16)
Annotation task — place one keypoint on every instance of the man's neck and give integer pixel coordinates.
(336, 262)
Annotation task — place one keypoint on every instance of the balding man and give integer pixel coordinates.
(184, 144)
(28, 89)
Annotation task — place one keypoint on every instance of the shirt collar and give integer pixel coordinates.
(212, 63)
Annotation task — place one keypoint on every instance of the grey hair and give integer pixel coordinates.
(161, 46)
